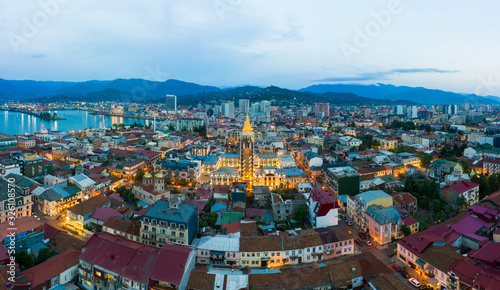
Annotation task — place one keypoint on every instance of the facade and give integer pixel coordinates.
(363, 200)
(8, 166)
(171, 104)
(169, 221)
(112, 262)
(463, 188)
(21, 200)
(322, 208)
(384, 224)
(261, 251)
(228, 109)
(55, 200)
(283, 210)
(58, 270)
(7, 141)
(175, 170)
(31, 165)
(244, 106)
(343, 180)
(405, 200)
(322, 110)
(124, 227)
(221, 250)
(152, 188)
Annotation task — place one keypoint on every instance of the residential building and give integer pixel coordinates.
(26, 142)
(8, 166)
(284, 210)
(313, 246)
(55, 200)
(384, 224)
(113, 262)
(405, 200)
(7, 141)
(28, 236)
(322, 208)
(261, 251)
(79, 215)
(22, 199)
(57, 271)
(176, 170)
(343, 180)
(244, 106)
(363, 200)
(171, 104)
(169, 221)
(463, 188)
(336, 242)
(31, 165)
(151, 189)
(124, 227)
(219, 250)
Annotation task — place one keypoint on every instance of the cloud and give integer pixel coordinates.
(383, 75)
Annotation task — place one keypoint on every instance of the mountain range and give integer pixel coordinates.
(139, 90)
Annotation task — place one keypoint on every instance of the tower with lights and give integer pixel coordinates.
(247, 140)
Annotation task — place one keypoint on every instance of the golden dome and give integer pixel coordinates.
(247, 126)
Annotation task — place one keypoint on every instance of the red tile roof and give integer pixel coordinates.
(22, 225)
(52, 267)
(463, 186)
(103, 213)
(171, 263)
(232, 228)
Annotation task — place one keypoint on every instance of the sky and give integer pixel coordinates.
(448, 45)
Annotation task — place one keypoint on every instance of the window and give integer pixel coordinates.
(253, 254)
(278, 254)
(272, 254)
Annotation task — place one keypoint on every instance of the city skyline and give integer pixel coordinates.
(232, 43)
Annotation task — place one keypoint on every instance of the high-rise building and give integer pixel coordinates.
(228, 109)
(171, 104)
(322, 110)
(244, 106)
(265, 106)
(246, 152)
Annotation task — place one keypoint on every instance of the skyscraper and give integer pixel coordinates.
(228, 109)
(246, 152)
(322, 110)
(171, 104)
(244, 106)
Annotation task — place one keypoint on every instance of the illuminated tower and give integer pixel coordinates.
(246, 153)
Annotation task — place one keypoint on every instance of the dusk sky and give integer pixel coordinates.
(449, 45)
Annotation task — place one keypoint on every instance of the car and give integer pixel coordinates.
(343, 217)
(349, 223)
(397, 268)
(368, 242)
(361, 235)
(414, 282)
(404, 274)
(359, 242)
(36, 217)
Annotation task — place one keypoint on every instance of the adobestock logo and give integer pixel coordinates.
(31, 26)
(364, 36)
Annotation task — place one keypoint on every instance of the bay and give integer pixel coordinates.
(15, 123)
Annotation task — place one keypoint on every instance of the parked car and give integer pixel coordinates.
(349, 223)
(414, 282)
(344, 217)
(362, 235)
(359, 242)
(396, 267)
(368, 242)
(404, 274)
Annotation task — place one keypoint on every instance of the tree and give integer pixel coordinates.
(43, 255)
(210, 112)
(425, 158)
(462, 203)
(405, 230)
(139, 175)
(105, 163)
(300, 214)
(25, 260)
(435, 205)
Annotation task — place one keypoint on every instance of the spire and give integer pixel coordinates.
(247, 126)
